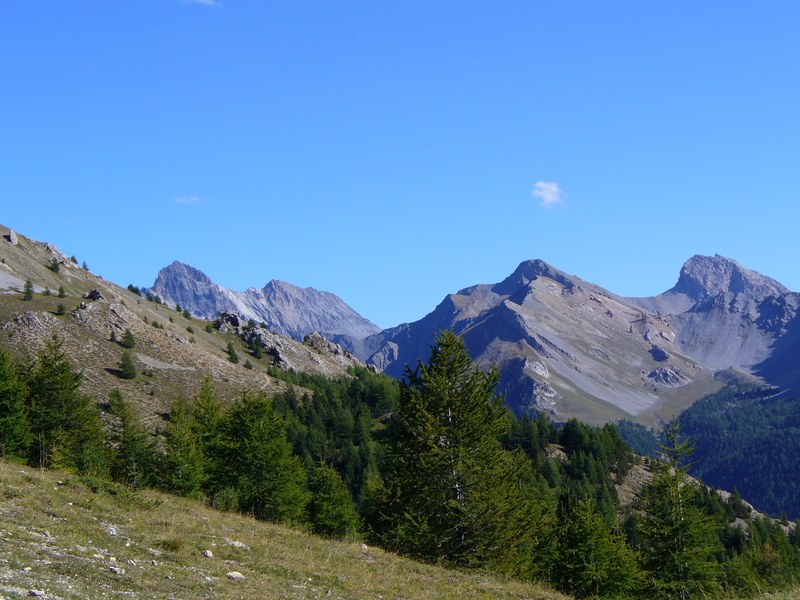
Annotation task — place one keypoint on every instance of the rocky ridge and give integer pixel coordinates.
(571, 348)
(284, 308)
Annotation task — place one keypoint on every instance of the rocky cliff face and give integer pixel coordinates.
(283, 307)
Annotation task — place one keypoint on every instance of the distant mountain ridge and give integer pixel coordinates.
(283, 307)
(562, 345)
(572, 348)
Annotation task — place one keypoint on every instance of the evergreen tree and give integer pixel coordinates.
(680, 541)
(15, 433)
(128, 341)
(127, 368)
(134, 454)
(332, 511)
(65, 423)
(61, 292)
(27, 293)
(592, 561)
(452, 493)
(55, 266)
(269, 481)
(182, 465)
(232, 355)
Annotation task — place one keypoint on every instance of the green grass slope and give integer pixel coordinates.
(60, 538)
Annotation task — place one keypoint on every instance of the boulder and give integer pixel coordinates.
(94, 295)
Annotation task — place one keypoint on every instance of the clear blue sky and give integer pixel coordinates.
(393, 152)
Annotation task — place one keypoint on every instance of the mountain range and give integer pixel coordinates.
(281, 306)
(562, 345)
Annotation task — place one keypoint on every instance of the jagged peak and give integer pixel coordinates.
(708, 276)
(177, 268)
(528, 271)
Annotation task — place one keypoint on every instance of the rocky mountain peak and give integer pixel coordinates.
(178, 271)
(708, 276)
(531, 270)
(283, 307)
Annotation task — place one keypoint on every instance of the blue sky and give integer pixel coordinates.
(393, 152)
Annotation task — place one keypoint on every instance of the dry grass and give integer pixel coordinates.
(56, 536)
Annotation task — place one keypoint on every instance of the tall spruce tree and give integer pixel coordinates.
(680, 541)
(452, 493)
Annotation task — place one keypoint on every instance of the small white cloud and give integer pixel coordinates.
(549, 193)
(187, 200)
(203, 2)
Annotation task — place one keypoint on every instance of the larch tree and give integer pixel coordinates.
(452, 493)
(15, 433)
(680, 541)
(65, 422)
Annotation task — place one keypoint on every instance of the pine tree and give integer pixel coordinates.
(452, 493)
(15, 433)
(61, 292)
(27, 293)
(680, 541)
(133, 453)
(65, 423)
(332, 511)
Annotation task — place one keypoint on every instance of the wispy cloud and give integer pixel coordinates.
(203, 2)
(188, 200)
(549, 193)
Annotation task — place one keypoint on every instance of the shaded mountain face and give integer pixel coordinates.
(562, 345)
(283, 307)
(571, 348)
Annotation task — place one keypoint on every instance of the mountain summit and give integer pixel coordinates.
(706, 276)
(572, 348)
(283, 307)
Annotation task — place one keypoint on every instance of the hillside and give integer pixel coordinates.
(172, 354)
(60, 539)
